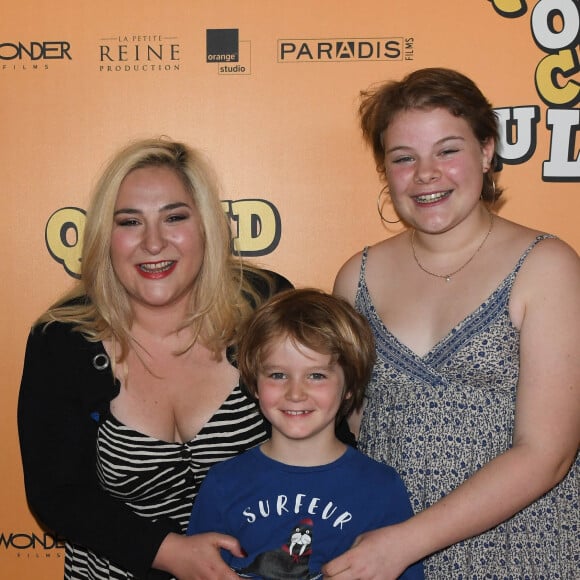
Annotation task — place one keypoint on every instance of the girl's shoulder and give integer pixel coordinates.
(538, 250)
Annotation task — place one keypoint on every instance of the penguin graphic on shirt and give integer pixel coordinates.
(290, 561)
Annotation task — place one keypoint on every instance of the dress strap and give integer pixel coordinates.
(361, 285)
(363, 264)
(534, 243)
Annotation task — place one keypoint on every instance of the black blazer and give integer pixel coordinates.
(65, 384)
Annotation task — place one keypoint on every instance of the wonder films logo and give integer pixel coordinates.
(232, 55)
(28, 545)
(395, 48)
(33, 56)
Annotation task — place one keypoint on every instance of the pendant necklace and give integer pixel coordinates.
(447, 277)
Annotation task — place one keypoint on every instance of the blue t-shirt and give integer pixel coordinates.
(292, 520)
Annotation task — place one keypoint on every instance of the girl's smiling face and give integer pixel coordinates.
(434, 166)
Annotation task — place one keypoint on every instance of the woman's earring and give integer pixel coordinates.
(381, 202)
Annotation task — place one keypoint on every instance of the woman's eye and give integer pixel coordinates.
(177, 218)
(128, 222)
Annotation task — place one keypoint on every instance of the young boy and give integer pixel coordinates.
(303, 497)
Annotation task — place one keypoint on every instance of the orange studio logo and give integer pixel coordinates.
(224, 48)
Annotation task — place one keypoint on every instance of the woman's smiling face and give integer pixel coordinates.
(157, 241)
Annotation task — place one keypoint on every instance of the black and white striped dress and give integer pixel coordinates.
(157, 479)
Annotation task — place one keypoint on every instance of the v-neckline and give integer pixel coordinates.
(440, 344)
(155, 440)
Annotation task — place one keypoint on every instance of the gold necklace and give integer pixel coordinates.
(447, 277)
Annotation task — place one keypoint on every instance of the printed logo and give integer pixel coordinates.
(256, 226)
(345, 49)
(63, 234)
(555, 29)
(31, 545)
(33, 55)
(222, 44)
(139, 53)
(224, 47)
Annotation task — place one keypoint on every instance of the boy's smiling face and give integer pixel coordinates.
(300, 392)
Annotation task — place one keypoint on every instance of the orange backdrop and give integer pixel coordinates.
(269, 90)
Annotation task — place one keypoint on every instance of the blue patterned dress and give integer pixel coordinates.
(438, 418)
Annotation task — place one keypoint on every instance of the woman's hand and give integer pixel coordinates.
(382, 554)
(197, 557)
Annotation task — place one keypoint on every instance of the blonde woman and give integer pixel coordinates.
(128, 395)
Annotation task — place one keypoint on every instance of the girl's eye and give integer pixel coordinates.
(276, 376)
(449, 151)
(403, 159)
(317, 376)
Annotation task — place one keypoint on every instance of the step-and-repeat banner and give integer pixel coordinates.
(269, 90)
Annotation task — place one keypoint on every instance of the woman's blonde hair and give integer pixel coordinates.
(99, 306)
